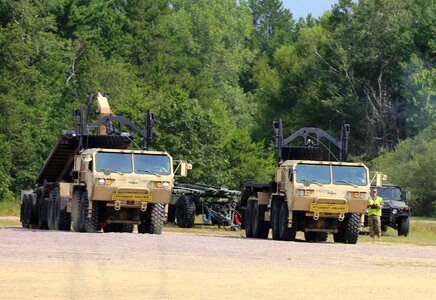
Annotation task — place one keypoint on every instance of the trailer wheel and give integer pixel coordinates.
(286, 233)
(76, 211)
(152, 220)
(249, 219)
(403, 226)
(275, 218)
(185, 211)
(260, 227)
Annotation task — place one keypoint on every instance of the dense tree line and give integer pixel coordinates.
(216, 73)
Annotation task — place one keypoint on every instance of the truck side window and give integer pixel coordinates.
(90, 165)
(291, 175)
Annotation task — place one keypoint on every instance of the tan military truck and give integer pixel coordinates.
(308, 193)
(95, 181)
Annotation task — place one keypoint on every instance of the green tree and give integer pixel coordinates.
(412, 165)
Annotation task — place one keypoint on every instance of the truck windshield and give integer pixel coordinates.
(390, 193)
(349, 175)
(152, 164)
(318, 174)
(114, 162)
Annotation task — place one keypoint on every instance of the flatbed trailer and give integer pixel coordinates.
(218, 206)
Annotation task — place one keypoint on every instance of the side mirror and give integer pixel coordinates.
(184, 166)
(379, 179)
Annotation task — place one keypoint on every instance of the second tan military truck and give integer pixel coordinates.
(309, 193)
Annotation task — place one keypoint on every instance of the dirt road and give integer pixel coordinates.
(66, 265)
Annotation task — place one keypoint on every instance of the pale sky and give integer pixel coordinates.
(301, 8)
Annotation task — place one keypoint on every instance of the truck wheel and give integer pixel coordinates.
(275, 219)
(322, 236)
(349, 231)
(26, 211)
(185, 211)
(76, 211)
(260, 227)
(249, 219)
(384, 228)
(152, 220)
(403, 226)
(53, 208)
(315, 236)
(63, 221)
(91, 224)
(110, 228)
(310, 236)
(42, 213)
(286, 234)
(171, 213)
(127, 228)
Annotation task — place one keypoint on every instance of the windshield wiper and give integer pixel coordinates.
(149, 172)
(107, 171)
(308, 182)
(347, 182)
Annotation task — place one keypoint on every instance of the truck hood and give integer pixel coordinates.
(394, 204)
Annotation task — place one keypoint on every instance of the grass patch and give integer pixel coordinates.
(10, 222)
(10, 208)
(422, 232)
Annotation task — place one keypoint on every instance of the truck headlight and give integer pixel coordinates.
(395, 211)
(362, 195)
(166, 185)
(101, 181)
(305, 193)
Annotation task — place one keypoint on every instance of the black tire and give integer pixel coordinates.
(25, 212)
(275, 218)
(185, 211)
(152, 220)
(112, 227)
(403, 226)
(339, 237)
(127, 228)
(171, 213)
(53, 208)
(315, 236)
(76, 211)
(249, 219)
(260, 227)
(349, 230)
(63, 221)
(286, 234)
(91, 224)
(384, 228)
(310, 236)
(322, 236)
(42, 213)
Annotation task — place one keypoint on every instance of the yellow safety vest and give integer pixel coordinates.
(375, 211)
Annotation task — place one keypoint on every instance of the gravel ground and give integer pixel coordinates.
(68, 265)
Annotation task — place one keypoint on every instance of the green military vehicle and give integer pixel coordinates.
(395, 211)
(93, 180)
(309, 193)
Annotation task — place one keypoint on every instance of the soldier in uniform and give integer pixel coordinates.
(375, 206)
